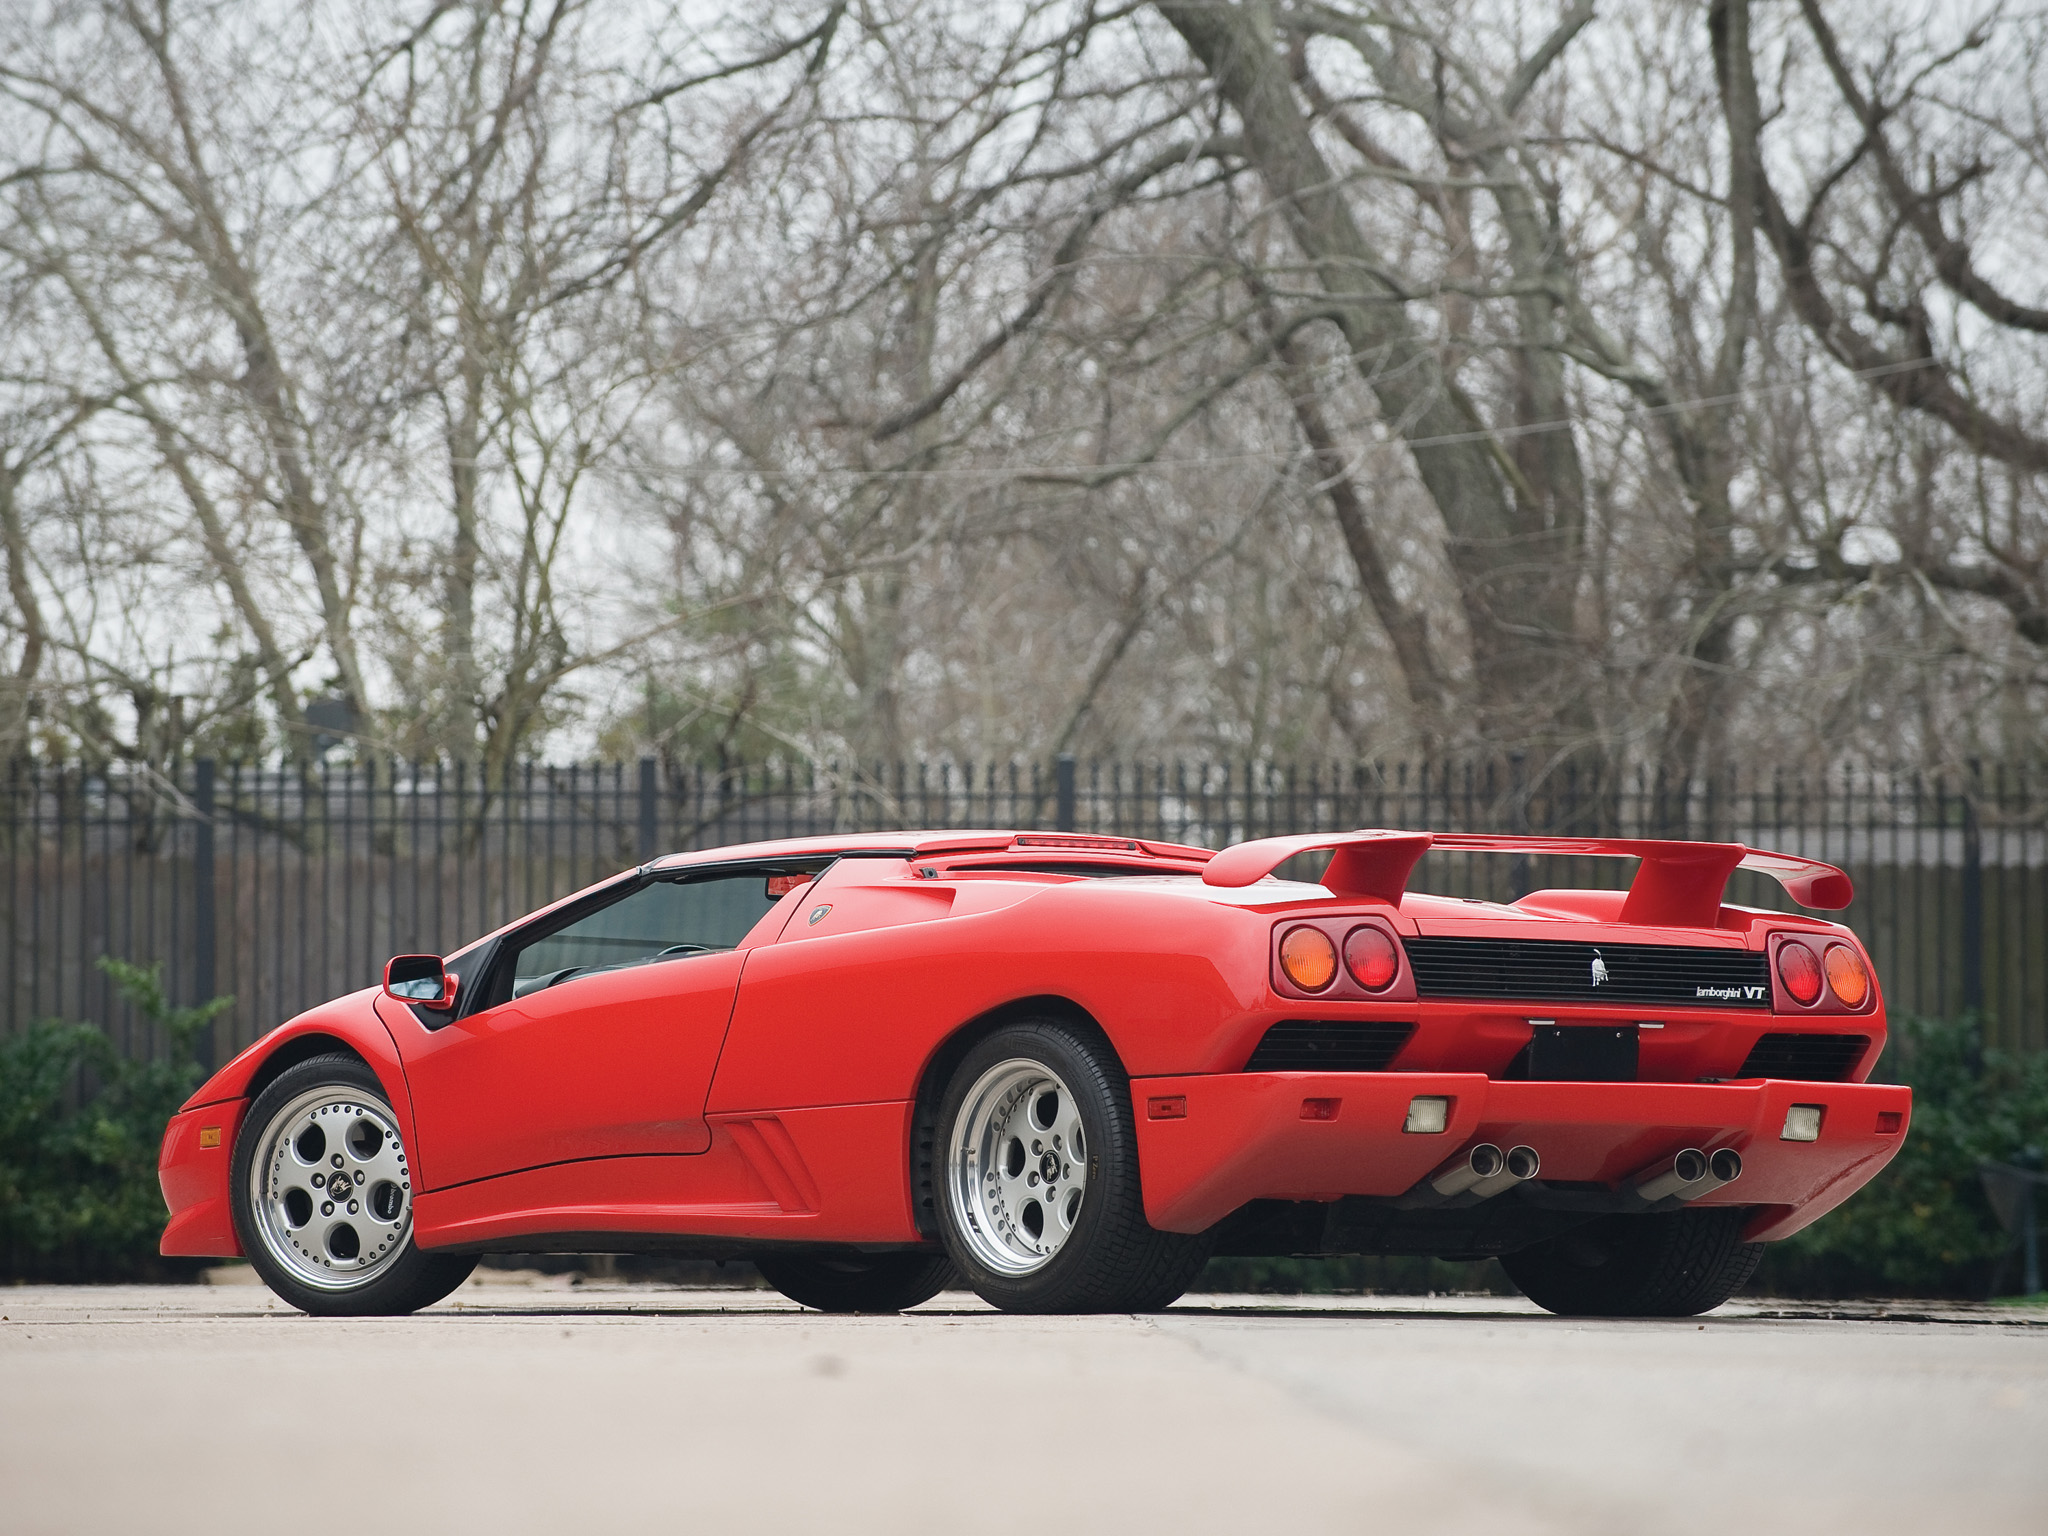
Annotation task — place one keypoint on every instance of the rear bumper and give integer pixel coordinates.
(193, 1172)
(1254, 1135)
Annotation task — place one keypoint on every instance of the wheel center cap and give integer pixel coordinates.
(1049, 1167)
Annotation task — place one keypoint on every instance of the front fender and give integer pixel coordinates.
(198, 1147)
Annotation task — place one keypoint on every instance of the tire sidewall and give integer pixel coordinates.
(1677, 1264)
(1111, 1158)
(413, 1280)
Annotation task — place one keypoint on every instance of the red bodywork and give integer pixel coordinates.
(769, 1093)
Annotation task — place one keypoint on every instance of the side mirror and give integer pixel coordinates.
(419, 979)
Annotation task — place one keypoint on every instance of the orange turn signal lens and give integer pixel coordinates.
(1309, 958)
(1370, 956)
(1848, 977)
(1799, 971)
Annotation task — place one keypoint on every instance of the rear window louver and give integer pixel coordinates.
(1564, 971)
(1805, 1058)
(1329, 1045)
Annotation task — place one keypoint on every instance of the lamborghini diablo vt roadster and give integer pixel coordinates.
(1069, 1069)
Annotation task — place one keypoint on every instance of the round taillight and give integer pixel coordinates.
(1309, 958)
(1369, 956)
(1799, 971)
(1848, 977)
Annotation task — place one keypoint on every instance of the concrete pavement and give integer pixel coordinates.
(529, 1404)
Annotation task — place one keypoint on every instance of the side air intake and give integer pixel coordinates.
(1329, 1045)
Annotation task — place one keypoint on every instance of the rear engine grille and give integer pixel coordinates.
(1561, 971)
(1329, 1045)
(1805, 1058)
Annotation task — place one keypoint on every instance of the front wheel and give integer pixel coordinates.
(1039, 1199)
(322, 1194)
(1673, 1265)
(857, 1282)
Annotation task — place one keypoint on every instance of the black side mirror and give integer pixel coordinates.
(419, 979)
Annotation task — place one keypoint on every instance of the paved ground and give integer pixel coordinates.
(531, 1405)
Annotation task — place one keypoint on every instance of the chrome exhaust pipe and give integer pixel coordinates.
(1482, 1162)
(1519, 1166)
(1724, 1167)
(1676, 1175)
(1689, 1174)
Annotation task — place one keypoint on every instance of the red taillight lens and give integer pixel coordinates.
(1309, 958)
(1369, 956)
(1848, 977)
(1799, 970)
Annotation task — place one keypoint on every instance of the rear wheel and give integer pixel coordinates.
(858, 1282)
(321, 1189)
(1675, 1265)
(1036, 1175)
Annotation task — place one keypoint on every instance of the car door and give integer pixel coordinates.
(594, 1034)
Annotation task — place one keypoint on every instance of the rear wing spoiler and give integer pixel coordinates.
(1677, 885)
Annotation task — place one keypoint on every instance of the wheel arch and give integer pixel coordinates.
(938, 1071)
(348, 1026)
(298, 1048)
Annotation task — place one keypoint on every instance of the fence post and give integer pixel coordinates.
(1973, 908)
(1064, 809)
(1518, 821)
(205, 980)
(647, 809)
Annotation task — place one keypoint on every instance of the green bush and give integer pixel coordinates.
(1923, 1226)
(79, 1131)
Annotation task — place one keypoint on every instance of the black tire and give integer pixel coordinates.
(857, 1282)
(409, 1280)
(1113, 1260)
(1675, 1265)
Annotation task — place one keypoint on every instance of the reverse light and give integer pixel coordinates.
(1309, 958)
(1799, 970)
(1427, 1116)
(1802, 1123)
(1371, 958)
(1848, 977)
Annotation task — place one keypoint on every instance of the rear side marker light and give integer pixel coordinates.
(1848, 977)
(1320, 1109)
(1370, 957)
(1427, 1117)
(1799, 970)
(1174, 1107)
(1802, 1123)
(1889, 1121)
(1309, 958)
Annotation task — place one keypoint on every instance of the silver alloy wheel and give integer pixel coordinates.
(1017, 1163)
(331, 1189)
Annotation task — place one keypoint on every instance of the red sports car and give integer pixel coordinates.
(1068, 1070)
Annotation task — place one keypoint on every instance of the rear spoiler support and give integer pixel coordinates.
(1677, 884)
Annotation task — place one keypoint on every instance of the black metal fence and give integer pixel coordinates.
(285, 887)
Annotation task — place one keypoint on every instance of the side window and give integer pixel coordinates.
(664, 920)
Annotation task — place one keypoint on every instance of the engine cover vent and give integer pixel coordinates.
(1565, 971)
